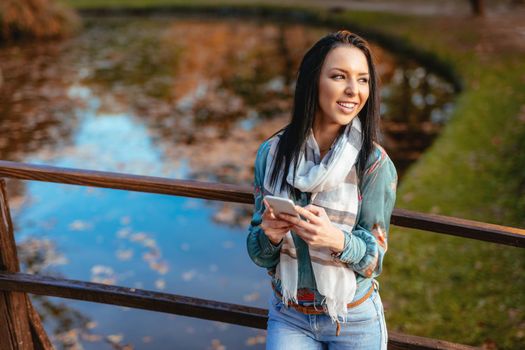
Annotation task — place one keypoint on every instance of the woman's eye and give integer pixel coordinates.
(364, 80)
(338, 76)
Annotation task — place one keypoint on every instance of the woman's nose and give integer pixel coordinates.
(351, 88)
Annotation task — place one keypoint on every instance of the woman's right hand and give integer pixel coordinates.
(275, 229)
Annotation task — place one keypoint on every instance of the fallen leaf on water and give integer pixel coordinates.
(101, 269)
(70, 338)
(146, 339)
(79, 225)
(161, 268)
(252, 297)
(160, 284)
(189, 275)
(225, 215)
(103, 274)
(149, 243)
(72, 333)
(258, 339)
(138, 237)
(124, 254)
(216, 345)
(115, 338)
(91, 337)
(152, 255)
(123, 232)
(125, 220)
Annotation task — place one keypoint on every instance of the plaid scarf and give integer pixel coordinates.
(333, 185)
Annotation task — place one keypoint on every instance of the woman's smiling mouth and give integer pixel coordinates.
(347, 106)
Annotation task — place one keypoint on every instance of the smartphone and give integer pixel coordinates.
(281, 205)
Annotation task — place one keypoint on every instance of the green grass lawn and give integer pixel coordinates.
(439, 286)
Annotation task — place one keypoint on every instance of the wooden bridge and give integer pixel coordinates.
(20, 324)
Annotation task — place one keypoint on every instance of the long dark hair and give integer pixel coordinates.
(306, 104)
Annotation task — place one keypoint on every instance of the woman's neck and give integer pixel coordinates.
(325, 135)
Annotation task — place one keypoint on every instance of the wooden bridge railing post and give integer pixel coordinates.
(20, 325)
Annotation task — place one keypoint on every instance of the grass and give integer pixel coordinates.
(439, 286)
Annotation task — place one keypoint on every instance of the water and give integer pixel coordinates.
(175, 98)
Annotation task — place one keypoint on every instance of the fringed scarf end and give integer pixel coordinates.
(289, 297)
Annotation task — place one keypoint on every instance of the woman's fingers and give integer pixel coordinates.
(274, 227)
(307, 236)
(318, 211)
(277, 224)
(297, 222)
(308, 214)
(276, 233)
(269, 211)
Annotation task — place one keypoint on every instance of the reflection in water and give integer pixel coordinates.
(180, 99)
(38, 256)
(415, 105)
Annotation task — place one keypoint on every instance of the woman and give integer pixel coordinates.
(343, 183)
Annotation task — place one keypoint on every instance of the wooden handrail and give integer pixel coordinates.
(243, 194)
(128, 182)
(464, 228)
(179, 305)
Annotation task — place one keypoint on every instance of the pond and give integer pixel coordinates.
(177, 98)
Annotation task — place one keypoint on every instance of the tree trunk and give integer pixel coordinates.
(478, 7)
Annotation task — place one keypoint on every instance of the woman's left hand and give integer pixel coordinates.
(317, 230)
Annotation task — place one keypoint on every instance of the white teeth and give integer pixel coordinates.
(349, 105)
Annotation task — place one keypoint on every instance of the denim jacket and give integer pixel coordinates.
(364, 247)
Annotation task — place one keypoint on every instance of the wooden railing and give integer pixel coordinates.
(23, 329)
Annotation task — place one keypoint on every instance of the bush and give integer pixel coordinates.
(35, 19)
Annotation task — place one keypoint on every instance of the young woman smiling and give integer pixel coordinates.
(324, 263)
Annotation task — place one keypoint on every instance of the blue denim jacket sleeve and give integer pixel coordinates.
(366, 246)
(260, 249)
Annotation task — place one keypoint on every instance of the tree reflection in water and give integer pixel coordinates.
(66, 326)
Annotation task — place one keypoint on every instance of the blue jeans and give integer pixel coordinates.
(364, 328)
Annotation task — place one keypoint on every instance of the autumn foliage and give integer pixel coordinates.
(35, 19)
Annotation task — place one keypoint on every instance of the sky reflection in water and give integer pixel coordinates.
(178, 99)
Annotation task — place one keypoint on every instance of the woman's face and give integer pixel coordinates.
(343, 86)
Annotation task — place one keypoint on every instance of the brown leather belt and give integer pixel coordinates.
(313, 310)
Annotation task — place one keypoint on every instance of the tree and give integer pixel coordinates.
(478, 7)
